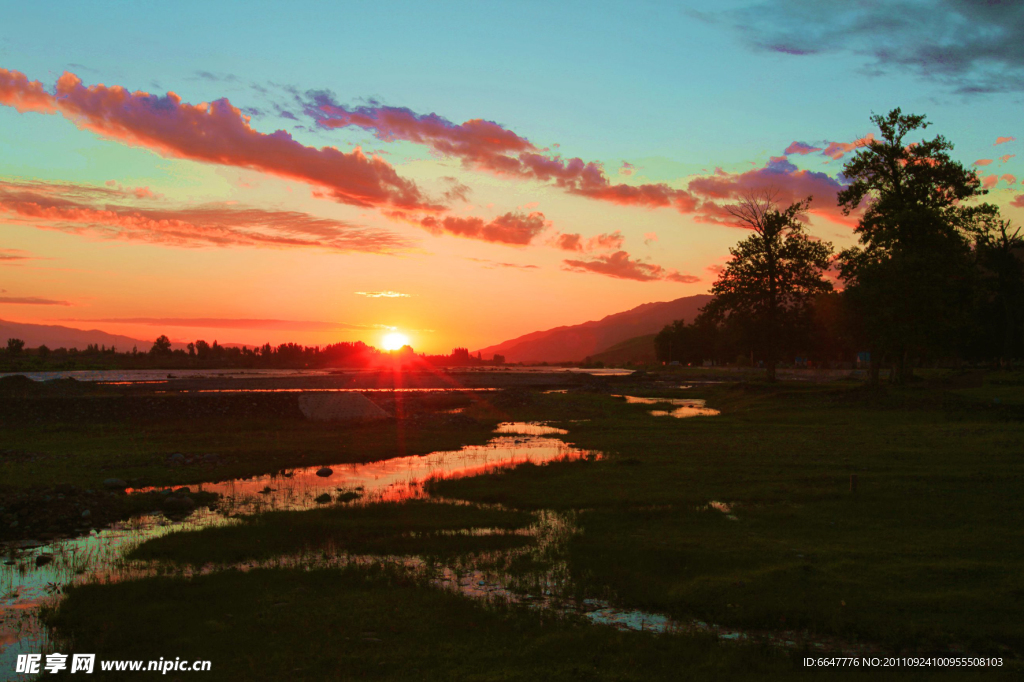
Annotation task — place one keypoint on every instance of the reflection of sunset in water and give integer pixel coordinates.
(24, 587)
(400, 478)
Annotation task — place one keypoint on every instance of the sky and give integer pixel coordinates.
(462, 173)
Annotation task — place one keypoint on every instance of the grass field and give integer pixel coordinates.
(746, 519)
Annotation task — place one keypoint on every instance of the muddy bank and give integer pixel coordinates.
(68, 511)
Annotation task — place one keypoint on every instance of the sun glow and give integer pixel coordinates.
(394, 341)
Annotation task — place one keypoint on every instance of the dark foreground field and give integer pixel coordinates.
(746, 520)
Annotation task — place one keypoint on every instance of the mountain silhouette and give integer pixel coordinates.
(56, 336)
(576, 342)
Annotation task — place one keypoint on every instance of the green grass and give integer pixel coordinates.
(358, 624)
(929, 551)
(85, 453)
(407, 528)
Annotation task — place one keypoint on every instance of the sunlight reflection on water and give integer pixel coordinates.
(685, 407)
(24, 586)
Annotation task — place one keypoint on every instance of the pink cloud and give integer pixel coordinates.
(8, 256)
(982, 162)
(781, 176)
(800, 148)
(137, 192)
(989, 181)
(837, 150)
(88, 211)
(626, 168)
(17, 91)
(620, 266)
(488, 146)
(1001, 140)
(605, 242)
(215, 132)
(1010, 179)
(511, 228)
(1018, 201)
(650, 237)
(569, 242)
(1006, 157)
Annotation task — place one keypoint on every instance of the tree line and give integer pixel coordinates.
(934, 278)
(201, 354)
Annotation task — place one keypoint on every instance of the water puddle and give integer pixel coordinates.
(34, 574)
(530, 429)
(684, 407)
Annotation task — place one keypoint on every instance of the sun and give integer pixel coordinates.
(394, 341)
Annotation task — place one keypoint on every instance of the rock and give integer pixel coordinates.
(176, 458)
(115, 484)
(323, 499)
(86, 514)
(324, 472)
(43, 559)
(182, 491)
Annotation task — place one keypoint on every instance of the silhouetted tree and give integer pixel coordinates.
(15, 346)
(910, 279)
(998, 316)
(773, 274)
(162, 346)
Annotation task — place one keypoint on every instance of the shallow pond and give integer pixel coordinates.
(684, 407)
(25, 586)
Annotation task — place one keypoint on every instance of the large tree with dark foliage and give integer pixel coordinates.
(773, 274)
(910, 280)
(998, 324)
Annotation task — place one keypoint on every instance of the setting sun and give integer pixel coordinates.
(394, 341)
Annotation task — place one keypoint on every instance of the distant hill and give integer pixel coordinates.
(56, 336)
(576, 342)
(638, 350)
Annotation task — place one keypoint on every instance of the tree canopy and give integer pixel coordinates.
(773, 273)
(910, 279)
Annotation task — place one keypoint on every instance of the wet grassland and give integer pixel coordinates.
(744, 521)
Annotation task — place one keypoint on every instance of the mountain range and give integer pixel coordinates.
(577, 342)
(56, 336)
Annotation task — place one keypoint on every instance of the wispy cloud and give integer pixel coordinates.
(498, 264)
(620, 266)
(15, 256)
(382, 294)
(89, 211)
(31, 300)
(234, 323)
